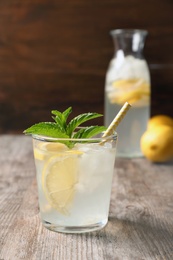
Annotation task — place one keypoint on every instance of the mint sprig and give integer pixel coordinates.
(63, 129)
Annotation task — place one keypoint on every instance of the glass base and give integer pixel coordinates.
(74, 229)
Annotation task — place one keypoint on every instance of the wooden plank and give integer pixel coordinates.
(140, 221)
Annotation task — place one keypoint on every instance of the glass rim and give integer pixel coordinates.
(121, 31)
(92, 139)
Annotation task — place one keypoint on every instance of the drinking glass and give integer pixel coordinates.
(74, 179)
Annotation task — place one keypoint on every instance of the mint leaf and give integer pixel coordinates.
(78, 120)
(66, 113)
(89, 131)
(61, 118)
(46, 129)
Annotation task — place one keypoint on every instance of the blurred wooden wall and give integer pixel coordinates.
(55, 53)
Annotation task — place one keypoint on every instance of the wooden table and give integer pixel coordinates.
(140, 221)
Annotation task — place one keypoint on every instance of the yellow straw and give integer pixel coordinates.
(112, 127)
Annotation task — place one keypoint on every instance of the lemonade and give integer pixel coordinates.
(74, 184)
(128, 81)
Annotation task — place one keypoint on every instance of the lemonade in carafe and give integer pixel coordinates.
(128, 80)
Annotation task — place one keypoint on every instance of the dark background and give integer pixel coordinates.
(54, 54)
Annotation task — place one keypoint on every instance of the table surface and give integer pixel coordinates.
(140, 219)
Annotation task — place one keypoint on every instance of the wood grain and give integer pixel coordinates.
(140, 220)
(56, 53)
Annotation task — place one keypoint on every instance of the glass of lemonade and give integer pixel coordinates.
(74, 184)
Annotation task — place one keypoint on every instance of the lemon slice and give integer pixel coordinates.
(131, 90)
(40, 151)
(127, 84)
(60, 174)
(39, 154)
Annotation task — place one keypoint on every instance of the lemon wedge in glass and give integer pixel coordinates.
(40, 151)
(60, 175)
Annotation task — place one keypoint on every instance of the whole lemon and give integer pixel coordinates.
(160, 120)
(157, 143)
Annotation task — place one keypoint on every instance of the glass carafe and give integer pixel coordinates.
(128, 79)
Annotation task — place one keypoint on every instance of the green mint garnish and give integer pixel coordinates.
(61, 128)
